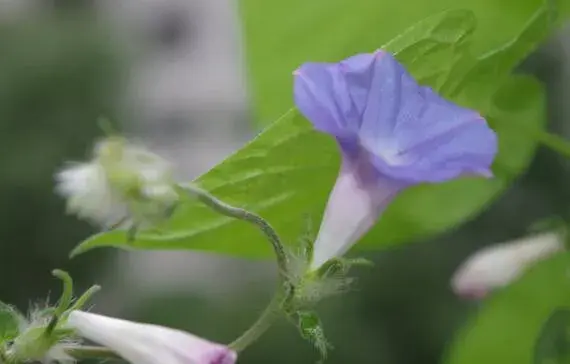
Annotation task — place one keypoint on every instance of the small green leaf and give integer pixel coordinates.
(553, 344)
(505, 329)
(311, 330)
(10, 322)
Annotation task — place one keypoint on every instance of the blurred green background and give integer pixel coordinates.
(60, 69)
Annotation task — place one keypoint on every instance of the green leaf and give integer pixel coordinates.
(483, 77)
(553, 344)
(281, 175)
(269, 176)
(10, 322)
(433, 46)
(287, 171)
(505, 329)
(281, 36)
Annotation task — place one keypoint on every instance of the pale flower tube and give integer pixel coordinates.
(499, 265)
(149, 344)
(355, 203)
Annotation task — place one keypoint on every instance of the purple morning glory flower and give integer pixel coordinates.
(392, 132)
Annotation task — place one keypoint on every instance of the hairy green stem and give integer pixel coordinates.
(285, 288)
(239, 213)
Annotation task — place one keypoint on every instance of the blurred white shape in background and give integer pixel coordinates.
(499, 265)
(187, 95)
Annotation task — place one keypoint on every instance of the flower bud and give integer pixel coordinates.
(149, 344)
(499, 265)
(122, 182)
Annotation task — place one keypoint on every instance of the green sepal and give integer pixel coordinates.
(307, 241)
(311, 329)
(30, 339)
(11, 321)
(33, 344)
(341, 266)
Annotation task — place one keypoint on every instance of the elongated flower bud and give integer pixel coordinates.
(499, 265)
(149, 344)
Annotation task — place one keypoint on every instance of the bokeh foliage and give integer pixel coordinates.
(58, 74)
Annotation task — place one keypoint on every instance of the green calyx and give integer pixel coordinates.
(32, 344)
(35, 337)
(311, 287)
